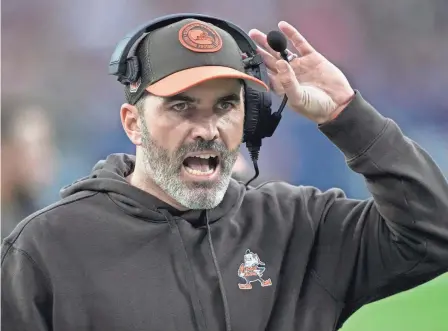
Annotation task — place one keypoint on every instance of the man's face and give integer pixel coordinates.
(191, 141)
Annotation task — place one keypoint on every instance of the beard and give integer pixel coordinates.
(164, 168)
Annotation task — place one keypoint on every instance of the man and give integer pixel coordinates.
(28, 159)
(166, 240)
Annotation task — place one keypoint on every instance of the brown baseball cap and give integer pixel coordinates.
(181, 55)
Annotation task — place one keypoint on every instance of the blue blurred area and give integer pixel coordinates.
(55, 57)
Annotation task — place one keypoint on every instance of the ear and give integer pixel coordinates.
(131, 123)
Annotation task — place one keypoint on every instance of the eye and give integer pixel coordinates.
(181, 106)
(225, 105)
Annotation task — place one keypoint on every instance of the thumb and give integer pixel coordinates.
(289, 81)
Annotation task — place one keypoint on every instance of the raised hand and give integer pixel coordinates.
(315, 87)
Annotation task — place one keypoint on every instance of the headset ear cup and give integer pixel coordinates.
(252, 100)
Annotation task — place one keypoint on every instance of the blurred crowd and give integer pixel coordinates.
(60, 109)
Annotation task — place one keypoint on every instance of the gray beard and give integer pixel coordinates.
(165, 171)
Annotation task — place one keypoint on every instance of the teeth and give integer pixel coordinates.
(198, 172)
(204, 156)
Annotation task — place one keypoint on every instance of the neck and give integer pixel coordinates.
(140, 180)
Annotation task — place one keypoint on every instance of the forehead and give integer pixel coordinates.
(217, 85)
(207, 91)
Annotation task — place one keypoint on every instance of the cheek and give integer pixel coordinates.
(232, 126)
(168, 135)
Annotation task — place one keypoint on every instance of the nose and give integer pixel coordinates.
(206, 130)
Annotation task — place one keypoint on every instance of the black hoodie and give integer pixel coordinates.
(110, 257)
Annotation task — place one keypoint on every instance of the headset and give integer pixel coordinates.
(259, 120)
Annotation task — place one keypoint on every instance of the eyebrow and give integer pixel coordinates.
(231, 97)
(186, 98)
(179, 97)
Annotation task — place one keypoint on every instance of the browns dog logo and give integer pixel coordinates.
(200, 38)
(252, 270)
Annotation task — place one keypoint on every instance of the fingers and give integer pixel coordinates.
(275, 84)
(296, 38)
(260, 38)
(268, 59)
(289, 83)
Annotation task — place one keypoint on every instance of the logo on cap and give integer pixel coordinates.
(199, 37)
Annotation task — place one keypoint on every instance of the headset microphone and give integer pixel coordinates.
(277, 41)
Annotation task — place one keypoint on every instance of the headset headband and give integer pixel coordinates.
(118, 65)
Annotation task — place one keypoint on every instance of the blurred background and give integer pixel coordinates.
(60, 109)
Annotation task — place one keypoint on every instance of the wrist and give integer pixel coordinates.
(339, 109)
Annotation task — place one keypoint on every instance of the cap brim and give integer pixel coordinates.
(185, 79)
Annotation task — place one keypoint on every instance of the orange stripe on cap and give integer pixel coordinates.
(183, 80)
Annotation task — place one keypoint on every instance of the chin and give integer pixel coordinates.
(203, 195)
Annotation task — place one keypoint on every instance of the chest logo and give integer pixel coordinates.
(252, 270)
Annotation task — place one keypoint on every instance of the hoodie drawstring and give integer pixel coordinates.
(194, 297)
(197, 308)
(218, 272)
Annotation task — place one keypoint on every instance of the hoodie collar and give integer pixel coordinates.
(109, 176)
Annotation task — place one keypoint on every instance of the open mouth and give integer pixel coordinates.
(201, 165)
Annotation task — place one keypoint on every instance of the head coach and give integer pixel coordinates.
(167, 240)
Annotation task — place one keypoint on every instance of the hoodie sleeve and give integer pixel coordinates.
(26, 298)
(398, 239)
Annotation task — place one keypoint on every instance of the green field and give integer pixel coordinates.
(424, 308)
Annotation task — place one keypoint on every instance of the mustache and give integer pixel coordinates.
(202, 146)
